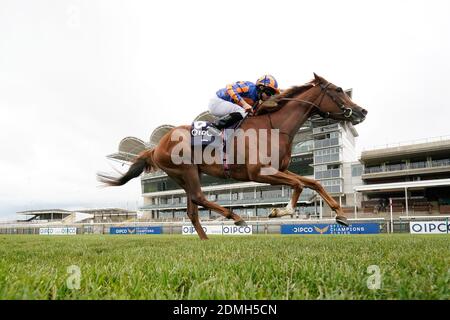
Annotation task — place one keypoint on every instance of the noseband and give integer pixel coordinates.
(346, 112)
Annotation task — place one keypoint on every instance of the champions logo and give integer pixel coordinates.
(357, 228)
(321, 231)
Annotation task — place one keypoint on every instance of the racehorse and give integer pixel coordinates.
(286, 113)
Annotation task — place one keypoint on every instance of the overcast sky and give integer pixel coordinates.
(78, 76)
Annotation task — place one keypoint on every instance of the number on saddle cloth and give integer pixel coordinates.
(200, 136)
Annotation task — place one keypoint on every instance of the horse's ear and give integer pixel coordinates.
(317, 78)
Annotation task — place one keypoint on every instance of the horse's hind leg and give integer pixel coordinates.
(193, 188)
(192, 208)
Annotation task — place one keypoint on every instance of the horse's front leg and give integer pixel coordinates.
(316, 186)
(192, 212)
(281, 178)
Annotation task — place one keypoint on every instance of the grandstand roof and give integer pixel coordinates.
(129, 148)
(109, 210)
(159, 132)
(205, 116)
(117, 211)
(398, 151)
(44, 211)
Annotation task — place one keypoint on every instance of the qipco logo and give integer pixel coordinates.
(237, 230)
(303, 229)
(197, 132)
(188, 230)
(430, 227)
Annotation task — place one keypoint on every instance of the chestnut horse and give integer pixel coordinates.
(286, 113)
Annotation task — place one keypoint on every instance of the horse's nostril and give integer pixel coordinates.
(364, 112)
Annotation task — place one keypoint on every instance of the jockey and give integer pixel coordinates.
(233, 102)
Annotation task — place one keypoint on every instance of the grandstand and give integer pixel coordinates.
(82, 215)
(415, 175)
(44, 215)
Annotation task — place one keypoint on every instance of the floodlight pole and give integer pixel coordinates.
(320, 209)
(392, 220)
(406, 201)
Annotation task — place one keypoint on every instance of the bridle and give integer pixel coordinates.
(346, 111)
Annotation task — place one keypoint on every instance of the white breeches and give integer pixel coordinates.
(219, 107)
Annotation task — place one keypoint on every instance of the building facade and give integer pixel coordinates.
(414, 177)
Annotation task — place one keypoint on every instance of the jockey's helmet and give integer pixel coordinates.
(268, 81)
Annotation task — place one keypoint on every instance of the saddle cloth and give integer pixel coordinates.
(200, 136)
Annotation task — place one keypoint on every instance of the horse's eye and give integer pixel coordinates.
(339, 89)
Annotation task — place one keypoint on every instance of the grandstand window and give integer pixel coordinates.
(332, 140)
(211, 197)
(373, 169)
(203, 213)
(304, 146)
(271, 193)
(326, 128)
(215, 215)
(332, 186)
(327, 171)
(165, 214)
(418, 164)
(223, 196)
(396, 166)
(180, 214)
(326, 155)
(167, 184)
(248, 212)
(440, 163)
(262, 212)
(357, 170)
(248, 194)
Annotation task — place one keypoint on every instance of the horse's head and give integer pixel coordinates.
(333, 102)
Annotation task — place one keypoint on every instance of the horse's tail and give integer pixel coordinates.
(144, 161)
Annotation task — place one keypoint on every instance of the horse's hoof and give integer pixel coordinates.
(342, 220)
(241, 223)
(273, 213)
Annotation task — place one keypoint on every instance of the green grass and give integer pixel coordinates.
(225, 267)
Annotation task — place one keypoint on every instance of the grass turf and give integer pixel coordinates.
(225, 267)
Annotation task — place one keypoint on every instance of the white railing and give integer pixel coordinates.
(434, 217)
(407, 143)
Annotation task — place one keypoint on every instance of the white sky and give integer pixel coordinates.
(78, 76)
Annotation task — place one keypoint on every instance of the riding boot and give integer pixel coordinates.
(225, 122)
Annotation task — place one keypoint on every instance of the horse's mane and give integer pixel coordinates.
(276, 102)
